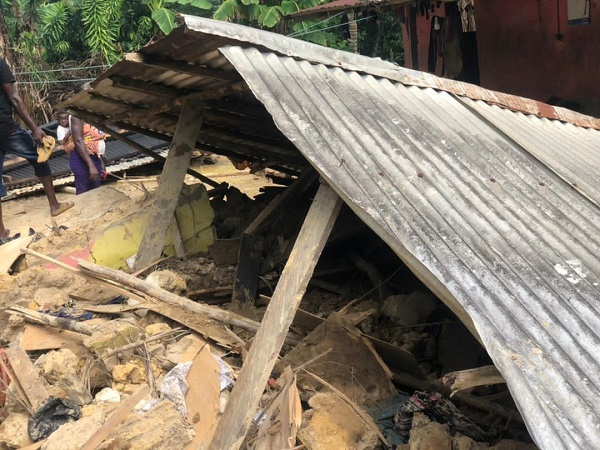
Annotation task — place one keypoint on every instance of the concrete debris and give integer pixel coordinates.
(335, 387)
(167, 279)
(13, 431)
(61, 369)
(331, 423)
(108, 395)
(157, 328)
(73, 435)
(111, 335)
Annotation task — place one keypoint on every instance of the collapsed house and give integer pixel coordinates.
(473, 190)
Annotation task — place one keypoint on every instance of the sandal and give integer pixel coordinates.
(62, 208)
(7, 239)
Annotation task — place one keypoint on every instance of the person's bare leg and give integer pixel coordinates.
(3, 231)
(55, 206)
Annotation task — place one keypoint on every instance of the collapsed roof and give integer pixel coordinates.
(489, 198)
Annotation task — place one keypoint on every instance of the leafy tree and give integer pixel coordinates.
(164, 16)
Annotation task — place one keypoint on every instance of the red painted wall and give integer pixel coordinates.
(424, 24)
(520, 53)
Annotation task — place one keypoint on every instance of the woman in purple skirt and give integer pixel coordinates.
(83, 146)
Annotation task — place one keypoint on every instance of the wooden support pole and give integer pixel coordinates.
(412, 32)
(262, 356)
(171, 182)
(251, 244)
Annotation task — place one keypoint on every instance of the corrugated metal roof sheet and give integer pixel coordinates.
(484, 204)
(514, 244)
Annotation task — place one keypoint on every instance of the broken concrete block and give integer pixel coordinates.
(462, 442)
(162, 428)
(130, 373)
(168, 280)
(332, 424)
(428, 435)
(108, 395)
(111, 335)
(72, 435)
(509, 444)
(12, 329)
(185, 349)
(409, 309)
(13, 431)
(157, 328)
(61, 369)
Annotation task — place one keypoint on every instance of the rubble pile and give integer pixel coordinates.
(95, 358)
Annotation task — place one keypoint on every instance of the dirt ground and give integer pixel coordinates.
(33, 212)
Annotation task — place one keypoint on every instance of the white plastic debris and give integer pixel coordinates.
(108, 395)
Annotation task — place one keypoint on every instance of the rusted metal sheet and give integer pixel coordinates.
(492, 230)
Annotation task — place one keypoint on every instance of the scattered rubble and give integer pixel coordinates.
(150, 361)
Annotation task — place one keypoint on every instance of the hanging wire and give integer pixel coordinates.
(56, 81)
(315, 24)
(335, 26)
(63, 70)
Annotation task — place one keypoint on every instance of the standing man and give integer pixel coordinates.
(14, 139)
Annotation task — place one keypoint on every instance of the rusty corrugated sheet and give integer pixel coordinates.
(487, 226)
(377, 67)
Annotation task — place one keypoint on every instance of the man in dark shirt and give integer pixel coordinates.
(14, 139)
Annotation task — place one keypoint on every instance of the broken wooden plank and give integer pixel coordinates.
(398, 359)
(468, 379)
(27, 377)
(118, 416)
(171, 182)
(283, 417)
(481, 404)
(248, 269)
(202, 398)
(37, 337)
(269, 339)
(46, 319)
(182, 303)
(116, 288)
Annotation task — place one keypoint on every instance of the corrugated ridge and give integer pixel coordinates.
(437, 200)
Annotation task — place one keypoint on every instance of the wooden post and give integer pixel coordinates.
(251, 243)
(414, 40)
(262, 356)
(171, 182)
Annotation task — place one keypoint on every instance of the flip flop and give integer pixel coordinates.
(6, 240)
(44, 150)
(62, 208)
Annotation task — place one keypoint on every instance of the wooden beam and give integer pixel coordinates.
(180, 66)
(266, 346)
(251, 243)
(171, 182)
(412, 33)
(467, 379)
(177, 99)
(247, 272)
(145, 87)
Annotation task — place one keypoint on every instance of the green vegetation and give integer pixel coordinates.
(52, 43)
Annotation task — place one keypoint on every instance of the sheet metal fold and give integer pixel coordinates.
(506, 238)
